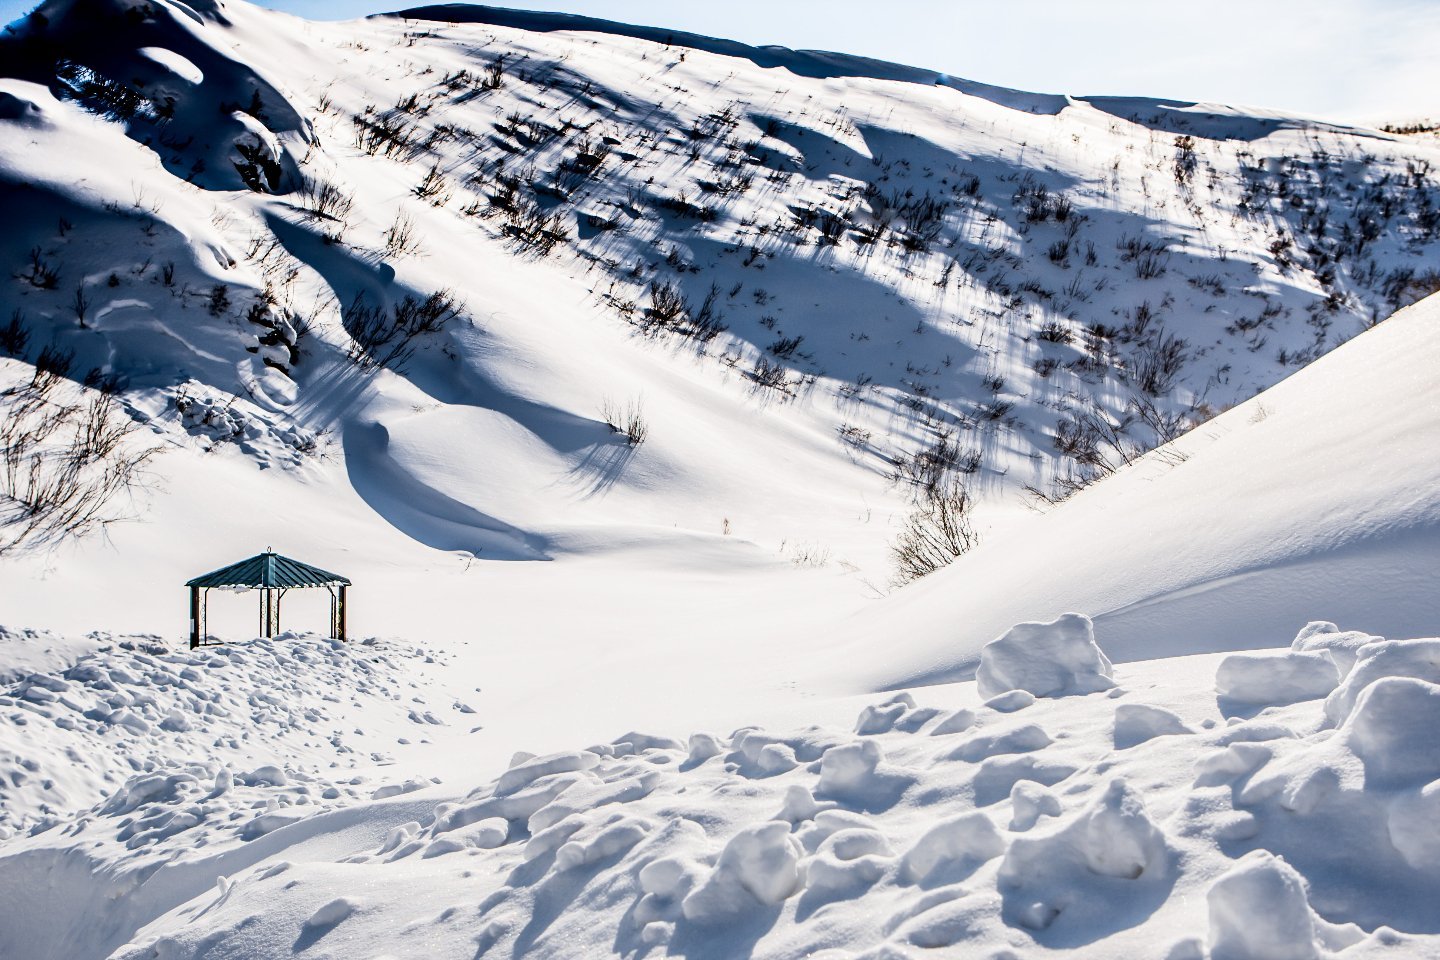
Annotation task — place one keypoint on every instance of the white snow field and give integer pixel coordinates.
(387, 295)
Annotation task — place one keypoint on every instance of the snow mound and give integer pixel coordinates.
(1417, 659)
(1256, 678)
(1342, 645)
(1392, 729)
(1045, 659)
(1137, 722)
(1259, 911)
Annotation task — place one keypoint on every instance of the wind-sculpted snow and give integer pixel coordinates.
(1151, 819)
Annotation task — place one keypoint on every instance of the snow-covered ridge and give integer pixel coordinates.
(873, 282)
(819, 64)
(1205, 119)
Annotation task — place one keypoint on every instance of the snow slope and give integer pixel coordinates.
(910, 279)
(380, 294)
(1321, 494)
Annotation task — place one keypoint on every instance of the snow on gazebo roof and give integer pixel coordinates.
(269, 570)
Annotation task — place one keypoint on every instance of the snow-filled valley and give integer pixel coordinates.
(614, 367)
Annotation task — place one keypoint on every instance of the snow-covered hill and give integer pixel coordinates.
(607, 362)
(1321, 494)
(422, 263)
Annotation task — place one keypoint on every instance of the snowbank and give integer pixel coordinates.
(1017, 830)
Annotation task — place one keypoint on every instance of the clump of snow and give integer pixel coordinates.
(332, 913)
(1045, 659)
(1342, 645)
(1392, 728)
(760, 863)
(1268, 678)
(1137, 722)
(955, 843)
(1044, 875)
(1259, 911)
(1418, 659)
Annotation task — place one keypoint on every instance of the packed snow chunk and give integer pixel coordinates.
(643, 742)
(1117, 836)
(881, 718)
(1046, 659)
(846, 863)
(269, 773)
(1137, 722)
(1043, 876)
(848, 769)
(269, 823)
(703, 746)
(1343, 646)
(1270, 678)
(388, 790)
(957, 722)
(1231, 763)
(1021, 739)
(799, 805)
(1029, 801)
(1393, 731)
(1414, 824)
(1419, 659)
(1259, 911)
(760, 864)
(958, 843)
(1011, 701)
(332, 913)
(487, 834)
(616, 838)
(526, 773)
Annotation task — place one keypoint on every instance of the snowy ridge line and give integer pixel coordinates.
(826, 64)
(1279, 804)
(817, 64)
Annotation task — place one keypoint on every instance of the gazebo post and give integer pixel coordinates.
(340, 617)
(194, 617)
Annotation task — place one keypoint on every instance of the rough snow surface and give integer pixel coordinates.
(1269, 834)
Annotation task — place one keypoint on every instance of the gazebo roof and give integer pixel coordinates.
(271, 570)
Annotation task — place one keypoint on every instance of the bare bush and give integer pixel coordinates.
(67, 456)
(1158, 362)
(936, 532)
(326, 200)
(667, 303)
(627, 419)
(400, 238)
(388, 338)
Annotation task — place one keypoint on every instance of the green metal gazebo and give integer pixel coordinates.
(273, 575)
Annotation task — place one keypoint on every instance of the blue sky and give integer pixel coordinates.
(1356, 60)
